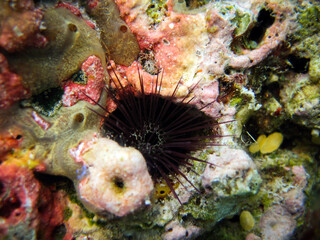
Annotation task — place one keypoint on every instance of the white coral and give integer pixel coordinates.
(233, 170)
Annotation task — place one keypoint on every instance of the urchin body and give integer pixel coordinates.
(166, 131)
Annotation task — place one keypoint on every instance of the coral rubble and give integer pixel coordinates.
(251, 66)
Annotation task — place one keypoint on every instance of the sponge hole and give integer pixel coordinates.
(78, 118)
(72, 27)
(123, 28)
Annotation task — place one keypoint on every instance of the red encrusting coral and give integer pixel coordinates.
(20, 27)
(9, 141)
(95, 75)
(25, 202)
(75, 11)
(11, 87)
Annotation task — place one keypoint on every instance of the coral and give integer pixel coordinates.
(278, 23)
(231, 168)
(174, 231)
(71, 42)
(11, 86)
(118, 40)
(27, 209)
(157, 11)
(252, 236)
(307, 35)
(277, 223)
(301, 100)
(253, 61)
(9, 141)
(94, 74)
(174, 42)
(20, 26)
(116, 179)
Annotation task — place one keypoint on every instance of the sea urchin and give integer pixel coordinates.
(164, 130)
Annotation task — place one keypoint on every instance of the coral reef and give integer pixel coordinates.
(67, 168)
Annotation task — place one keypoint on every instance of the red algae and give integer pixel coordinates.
(25, 203)
(21, 26)
(11, 87)
(95, 75)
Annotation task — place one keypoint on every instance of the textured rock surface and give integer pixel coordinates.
(252, 65)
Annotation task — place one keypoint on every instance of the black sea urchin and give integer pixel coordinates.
(164, 130)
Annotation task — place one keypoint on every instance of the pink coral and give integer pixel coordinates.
(277, 223)
(174, 231)
(252, 236)
(174, 42)
(185, 43)
(231, 167)
(294, 198)
(95, 75)
(276, 34)
(114, 179)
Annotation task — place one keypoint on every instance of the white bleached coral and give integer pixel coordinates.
(175, 231)
(233, 170)
(116, 178)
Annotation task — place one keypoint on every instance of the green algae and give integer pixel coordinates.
(71, 42)
(46, 103)
(118, 40)
(309, 22)
(80, 77)
(314, 70)
(73, 197)
(226, 230)
(242, 22)
(67, 213)
(193, 4)
(303, 105)
(238, 17)
(157, 11)
(307, 39)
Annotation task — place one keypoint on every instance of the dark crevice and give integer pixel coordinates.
(264, 21)
(299, 64)
(9, 205)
